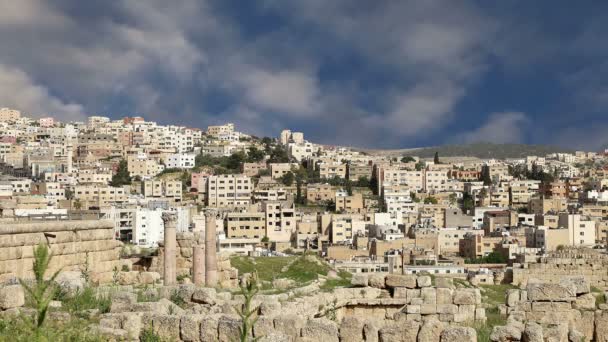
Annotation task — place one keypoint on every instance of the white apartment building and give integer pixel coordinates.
(301, 151)
(148, 227)
(181, 161)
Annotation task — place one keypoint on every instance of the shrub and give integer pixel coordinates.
(247, 312)
(148, 335)
(177, 299)
(42, 291)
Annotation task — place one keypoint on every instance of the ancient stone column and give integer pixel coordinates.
(210, 249)
(198, 264)
(169, 262)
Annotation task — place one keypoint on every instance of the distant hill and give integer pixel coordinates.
(487, 150)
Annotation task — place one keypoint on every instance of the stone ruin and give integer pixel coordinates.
(380, 308)
(551, 268)
(564, 311)
(187, 245)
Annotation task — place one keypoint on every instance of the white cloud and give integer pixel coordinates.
(502, 127)
(19, 91)
(292, 93)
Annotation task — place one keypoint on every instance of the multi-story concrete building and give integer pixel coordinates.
(301, 151)
(349, 204)
(215, 131)
(100, 196)
(278, 170)
(253, 169)
(581, 232)
(318, 193)
(270, 195)
(7, 114)
(143, 167)
(251, 225)
(280, 220)
(356, 171)
(477, 246)
(164, 189)
(332, 170)
(228, 191)
(181, 161)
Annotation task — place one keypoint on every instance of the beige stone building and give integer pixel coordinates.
(169, 189)
(349, 204)
(280, 220)
(551, 238)
(448, 239)
(220, 129)
(278, 170)
(144, 168)
(7, 114)
(544, 205)
(318, 193)
(253, 169)
(101, 196)
(344, 228)
(477, 246)
(229, 191)
(331, 170)
(356, 171)
(246, 225)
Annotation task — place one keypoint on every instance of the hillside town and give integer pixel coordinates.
(364, 212)
(133, 203)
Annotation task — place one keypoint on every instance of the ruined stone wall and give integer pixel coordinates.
(564, 311)
(228, 276)
(379, 309)
(77, 245)
(592, 266)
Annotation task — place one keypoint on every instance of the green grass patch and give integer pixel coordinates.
(23, 329)
(600, 298)
(484, 329)
(84, 299)
(331, 284)
(303, 270)
(495, 294)
(267, 268)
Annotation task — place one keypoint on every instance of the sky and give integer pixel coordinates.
(381, 74)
